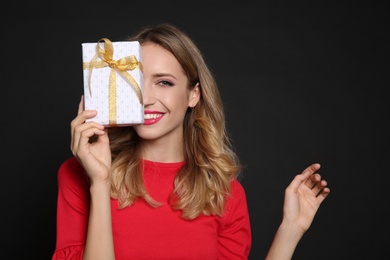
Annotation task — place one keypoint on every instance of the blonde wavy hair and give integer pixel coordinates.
(211, 163)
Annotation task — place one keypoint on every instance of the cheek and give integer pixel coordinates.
(176, 101)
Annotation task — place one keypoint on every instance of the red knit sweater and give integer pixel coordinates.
(144, 232)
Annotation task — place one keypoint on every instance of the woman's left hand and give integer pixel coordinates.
(303, 197)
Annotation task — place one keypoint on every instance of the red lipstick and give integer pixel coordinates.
(152, 117)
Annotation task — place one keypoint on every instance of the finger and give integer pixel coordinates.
(80, 119)
(81, 142)
(300, 178)
(311, 177)
(86, 135)
(318, 187)
(313, 168)
(313, 180)
(308, 173)
(82, 114)
(323, 194)
(82, 130)
(81, 105)
(74, 122)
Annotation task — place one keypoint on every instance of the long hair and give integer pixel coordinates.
(203, 183)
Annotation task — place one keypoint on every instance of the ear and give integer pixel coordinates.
(194, 96)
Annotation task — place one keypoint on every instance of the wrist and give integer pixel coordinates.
(285, 241)
(100, 187)
(292, 231)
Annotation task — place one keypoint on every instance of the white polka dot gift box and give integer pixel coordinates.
(113, 82)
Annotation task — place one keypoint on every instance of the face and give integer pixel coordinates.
(166, 95)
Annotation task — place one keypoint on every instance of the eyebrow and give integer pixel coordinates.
(164, 75)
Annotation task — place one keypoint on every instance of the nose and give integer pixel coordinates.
(148, 94)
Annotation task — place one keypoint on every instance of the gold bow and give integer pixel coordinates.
(119, 66)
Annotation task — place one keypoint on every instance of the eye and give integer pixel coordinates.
(165, 83)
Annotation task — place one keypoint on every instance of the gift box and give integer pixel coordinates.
(113, 82)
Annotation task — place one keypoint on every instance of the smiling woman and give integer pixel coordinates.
(167, 96)
(167, 188)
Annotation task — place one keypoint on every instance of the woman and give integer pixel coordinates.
(167, 189)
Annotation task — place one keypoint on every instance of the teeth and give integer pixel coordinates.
(152, 116)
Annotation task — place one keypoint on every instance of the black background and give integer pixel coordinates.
(302, 81)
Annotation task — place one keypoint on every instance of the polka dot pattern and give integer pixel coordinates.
(129, 110)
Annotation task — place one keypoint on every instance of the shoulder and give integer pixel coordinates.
(236, 221)
(237, 190)
(70, 162)
(236, 202)
(71, 172)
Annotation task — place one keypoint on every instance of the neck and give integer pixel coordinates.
(158, 151)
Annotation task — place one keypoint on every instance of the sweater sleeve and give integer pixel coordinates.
(72, 211)
(235, 237)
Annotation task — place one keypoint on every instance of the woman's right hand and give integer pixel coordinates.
(95, 157)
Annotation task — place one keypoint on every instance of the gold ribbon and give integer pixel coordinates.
(120, 66)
